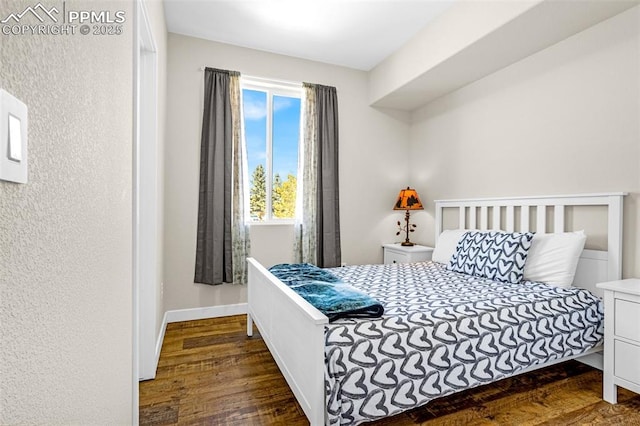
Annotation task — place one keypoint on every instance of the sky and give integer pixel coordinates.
(286, 131)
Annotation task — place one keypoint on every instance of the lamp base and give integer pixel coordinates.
(408, 229)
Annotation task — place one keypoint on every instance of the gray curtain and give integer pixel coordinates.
(318, 230)
(216, 233)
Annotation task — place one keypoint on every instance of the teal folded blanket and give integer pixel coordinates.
(325, 291)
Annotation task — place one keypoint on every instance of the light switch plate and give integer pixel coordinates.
(13, 138)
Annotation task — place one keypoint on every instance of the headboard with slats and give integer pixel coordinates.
(514, 214)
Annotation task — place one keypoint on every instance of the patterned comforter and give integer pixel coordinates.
(444, 331)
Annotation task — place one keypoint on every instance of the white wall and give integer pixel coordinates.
(65, 236)
(373, 164)
(565, 120)
(461, 26)
(474, 39)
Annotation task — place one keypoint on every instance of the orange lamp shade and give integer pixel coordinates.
(408, 200)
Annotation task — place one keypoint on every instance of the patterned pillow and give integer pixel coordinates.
(499, 256)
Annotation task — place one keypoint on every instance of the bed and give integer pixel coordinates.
(336, 370)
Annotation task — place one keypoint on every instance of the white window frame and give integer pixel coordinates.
(272, 88)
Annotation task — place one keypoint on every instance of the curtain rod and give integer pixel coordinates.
(266, 80)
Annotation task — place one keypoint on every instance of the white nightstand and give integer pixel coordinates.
(621, 337)
(395, 253)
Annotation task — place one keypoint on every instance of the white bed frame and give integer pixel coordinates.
(293, 330)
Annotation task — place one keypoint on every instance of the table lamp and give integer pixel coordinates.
(407, 200)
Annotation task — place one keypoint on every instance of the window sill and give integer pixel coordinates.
(273, 223)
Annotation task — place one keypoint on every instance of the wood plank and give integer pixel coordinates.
(247, 401)
(601, 412)
(210, 372)
(164, 414)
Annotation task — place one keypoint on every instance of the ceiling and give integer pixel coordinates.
(353, 33)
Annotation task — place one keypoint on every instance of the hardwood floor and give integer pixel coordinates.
(211, 373)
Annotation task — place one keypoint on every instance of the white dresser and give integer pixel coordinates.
(396, 253)
(621, 337)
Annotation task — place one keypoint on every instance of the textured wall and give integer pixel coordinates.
(65, 237)
(565, 120)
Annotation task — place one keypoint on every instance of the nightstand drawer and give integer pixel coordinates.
(396, 253)
(627, 320)
(394, 257)
(626, 364)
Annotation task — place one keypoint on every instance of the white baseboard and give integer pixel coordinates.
(158, 349)
(204, 313)
(163, 329)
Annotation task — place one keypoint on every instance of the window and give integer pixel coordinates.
(272, 134)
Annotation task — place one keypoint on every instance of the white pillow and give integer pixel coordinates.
(446, 245)
(553, 258)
